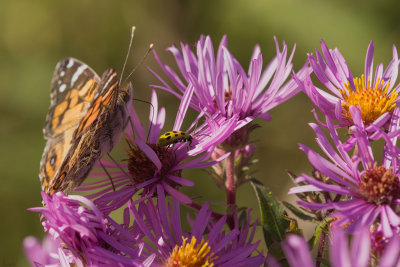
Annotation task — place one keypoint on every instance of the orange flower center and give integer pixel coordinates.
(191, 254)
(373, 101)
(380, 185)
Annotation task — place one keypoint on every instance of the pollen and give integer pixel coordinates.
(380, 185)
(191, 254)
(373, 101)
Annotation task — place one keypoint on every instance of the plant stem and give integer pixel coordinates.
(321, 248)
(230, 190)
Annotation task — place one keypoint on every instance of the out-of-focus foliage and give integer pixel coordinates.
(34, 35)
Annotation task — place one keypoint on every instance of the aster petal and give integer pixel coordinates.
(328, 169)
(369, 60)
(330, 151)
(212, 236)
(386, 228)
(391, 255)
(319, 72)
(392, 216)
(304, 188)
(337, 189)
(297, 252)
(339, 256)
(344, 68)
(163, 212)
(138, 127)
(180, 180)
(360, 246)
(149, 153)
(331, 64)
(176, 80)
(183, 107)
(200, 223)
(176, 194)
(378, 72)
(315, 206)
(176, 219)
(391, 72)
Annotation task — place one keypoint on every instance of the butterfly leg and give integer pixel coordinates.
(108, 174)
(131, 124)
(119, 166)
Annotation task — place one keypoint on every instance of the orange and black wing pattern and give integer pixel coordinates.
(73, 88)
(87, 141)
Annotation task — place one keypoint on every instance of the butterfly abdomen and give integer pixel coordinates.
(173, 137)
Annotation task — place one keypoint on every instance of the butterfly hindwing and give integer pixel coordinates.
(98, 131)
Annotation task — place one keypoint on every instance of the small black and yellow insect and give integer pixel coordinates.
(173, 137)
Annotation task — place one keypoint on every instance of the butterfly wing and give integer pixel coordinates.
(106, 100)
(92, 138)
(73, 88)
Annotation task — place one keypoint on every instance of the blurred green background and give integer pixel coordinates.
(35, 35)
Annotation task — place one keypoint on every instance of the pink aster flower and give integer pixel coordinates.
(85, 236)
(365, 194)
(46, 254)
(151, 164)
(206, 244)
(374, 93)
(222, 86)
(341, 254)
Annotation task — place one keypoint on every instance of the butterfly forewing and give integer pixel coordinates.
(73, 88)
(106, 100)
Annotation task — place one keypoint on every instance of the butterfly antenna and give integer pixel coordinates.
(127, 54)
(151, 46)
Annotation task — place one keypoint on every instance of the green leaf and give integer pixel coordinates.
(242, 218)
(273, 223)
(299, 213)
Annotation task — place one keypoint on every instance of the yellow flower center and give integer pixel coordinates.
(372, 101)
(191, 255)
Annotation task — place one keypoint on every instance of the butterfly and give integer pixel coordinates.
(86, 118)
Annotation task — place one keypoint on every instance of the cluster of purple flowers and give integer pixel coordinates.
(351, 190)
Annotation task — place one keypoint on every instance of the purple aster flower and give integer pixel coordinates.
(379, 242)
(46, 254)
(206, 244)
(364, 194)
(151, 164)
(341, 254)
(221, 85)
(88, 238)
(374, 93)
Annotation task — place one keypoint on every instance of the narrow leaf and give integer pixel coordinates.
(274, 224)
(298, 212)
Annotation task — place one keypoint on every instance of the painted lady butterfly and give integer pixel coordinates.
(87, 116)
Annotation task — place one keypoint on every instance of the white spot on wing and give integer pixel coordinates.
(70, 63)
(62, 73)
(77, 73)
(62, 88)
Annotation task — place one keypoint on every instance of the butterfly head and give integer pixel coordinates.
(125, 94)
